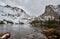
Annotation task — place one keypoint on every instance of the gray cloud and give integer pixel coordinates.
(33, 7)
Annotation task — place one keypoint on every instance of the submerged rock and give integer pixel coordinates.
(5, 35)
(33, 36)
(29, 36)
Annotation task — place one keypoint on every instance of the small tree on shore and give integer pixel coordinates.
(50, 23)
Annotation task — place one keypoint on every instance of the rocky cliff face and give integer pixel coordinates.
(52, 12)
(13, 14)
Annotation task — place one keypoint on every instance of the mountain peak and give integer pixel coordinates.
(13, 14)
(52, 12)
(7, 6)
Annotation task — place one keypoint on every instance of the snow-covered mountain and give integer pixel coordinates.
(51, 12)
(13, 14)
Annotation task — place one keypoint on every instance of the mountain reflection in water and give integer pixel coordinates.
(19, 31)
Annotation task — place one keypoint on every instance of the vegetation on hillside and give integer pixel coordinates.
(47, 23)
(6, 21)
(1, 22)
(21, 23)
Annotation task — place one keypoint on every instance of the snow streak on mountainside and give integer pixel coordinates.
(51, 12)
(13, 14)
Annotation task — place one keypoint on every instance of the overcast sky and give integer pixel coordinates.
(32, 7)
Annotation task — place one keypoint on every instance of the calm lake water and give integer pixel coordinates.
(19, 31)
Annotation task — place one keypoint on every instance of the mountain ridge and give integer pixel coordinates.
(12, 13)
(52, 12)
